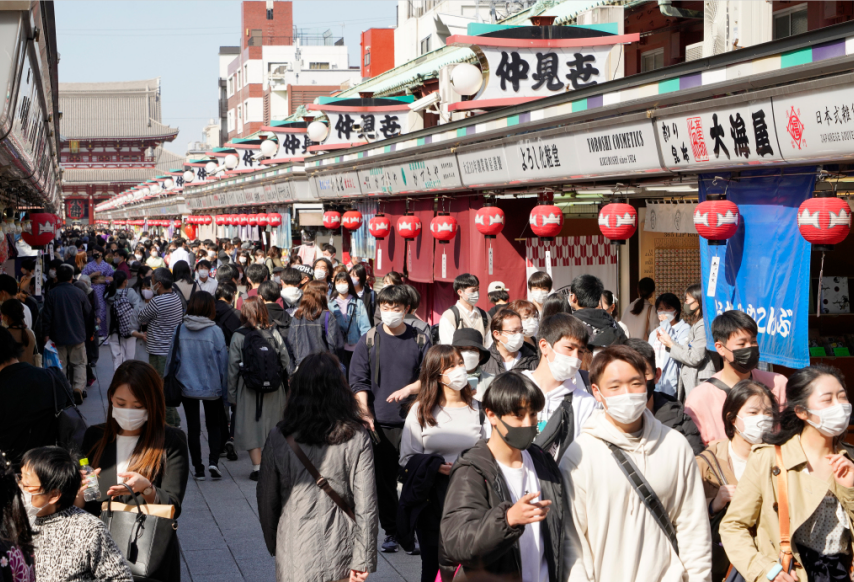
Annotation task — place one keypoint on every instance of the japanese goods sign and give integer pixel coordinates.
(623, 149)
(751, 273)
(535, 159)
(338, 185)
(293, 145)
(484, 167)
(730, 136)
(816, 125)
(414, 176)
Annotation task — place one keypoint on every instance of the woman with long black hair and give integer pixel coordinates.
(443, 422)
(16, 537)
(808, 455)
(184, 282)
(301, 521)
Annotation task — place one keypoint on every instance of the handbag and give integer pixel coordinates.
(647, 495)
(319, 479)
(172, 387)
(70, 422)
(143, 537)
(786, 557)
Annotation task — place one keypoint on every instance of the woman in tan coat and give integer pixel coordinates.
(748, 413)
(820, 482)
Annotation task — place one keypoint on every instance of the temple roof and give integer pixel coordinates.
(82, 176)
(112, 110)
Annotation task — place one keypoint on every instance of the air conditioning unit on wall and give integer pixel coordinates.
(694, 51)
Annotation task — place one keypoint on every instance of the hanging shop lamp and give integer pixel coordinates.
(489, 220)
(220, 220)
(262, 219)
(409, 226)
(243, 220)
(275, 219)
(253, 220)
(716, 219)
(618, 221)
(379, 226)
(546, 220)
(331, 220)
(824, 220)
(443, 228)
(352, 220)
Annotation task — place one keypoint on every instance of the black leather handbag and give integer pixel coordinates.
(143, 539)
(70, 422)
(172, 387)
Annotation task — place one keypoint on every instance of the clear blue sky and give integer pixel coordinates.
(178, 41)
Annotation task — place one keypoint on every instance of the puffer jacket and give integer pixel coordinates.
(474, 530)
(312, 538)
(529, 360)
(202, 358)
(308, 337)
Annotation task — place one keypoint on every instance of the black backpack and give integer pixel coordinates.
(260, 365)
(434, 331)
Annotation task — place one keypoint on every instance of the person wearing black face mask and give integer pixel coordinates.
(504, 529)
(666, 408)
(735, 334)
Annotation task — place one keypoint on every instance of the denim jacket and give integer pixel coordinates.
(307, 337)
(202, 359)
(357, 313)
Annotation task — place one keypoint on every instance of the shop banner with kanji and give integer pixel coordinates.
(763, 270)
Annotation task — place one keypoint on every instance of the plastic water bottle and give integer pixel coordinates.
(92, 491)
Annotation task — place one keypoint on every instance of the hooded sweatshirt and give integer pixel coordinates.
(611, 534)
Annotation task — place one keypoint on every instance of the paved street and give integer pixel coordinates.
(221, 539)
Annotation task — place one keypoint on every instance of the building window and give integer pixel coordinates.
(231, 86)
(318, 66)
(270, 13)
(238, 79)
(425, 44)
(790, 22)
(246, 74)
(367, 59)
(652, 60)
(255, 37)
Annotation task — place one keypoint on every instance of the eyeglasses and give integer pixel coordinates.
(512, 331)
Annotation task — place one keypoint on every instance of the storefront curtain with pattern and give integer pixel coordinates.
(420, 251)
(362, 243)
(391, 250)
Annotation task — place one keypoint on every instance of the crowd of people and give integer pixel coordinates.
(549, 438)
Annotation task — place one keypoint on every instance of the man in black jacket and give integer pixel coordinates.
(667, 409)
(270, 292)
(585, 297)
(504, 508)
(66, 320)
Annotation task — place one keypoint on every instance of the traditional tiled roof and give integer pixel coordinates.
(165, 161)
(109, 110)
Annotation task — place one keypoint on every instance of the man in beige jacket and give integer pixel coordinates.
(612, 536)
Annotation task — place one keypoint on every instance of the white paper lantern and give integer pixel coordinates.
(466, 79)
(231, 161)
(269, 148)
(155, 189)
(210, 167)
(168, 183)
(317, 131)
(189, 176)
(145, 192)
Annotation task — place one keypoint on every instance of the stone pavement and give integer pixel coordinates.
(221, 539)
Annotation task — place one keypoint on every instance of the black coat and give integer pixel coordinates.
(227, 319)
(422, 484)
(529, 361)
(474, 530)
(604, 331)
(67, 317)
(670, 412)
(170, 483)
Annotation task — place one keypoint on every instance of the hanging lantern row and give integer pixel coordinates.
(272, 219)
(199, 220)
(351, 220)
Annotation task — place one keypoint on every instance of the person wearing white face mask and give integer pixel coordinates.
(749, 412)
(465, 313)
(469, 342)
(204, 281)
(509, 351)
(70, 544)
(563, 342)
(807, 451)
(351, 314)
(610, 532)
(539, 286)
(669, 310)
(135, 447)
(442, 423)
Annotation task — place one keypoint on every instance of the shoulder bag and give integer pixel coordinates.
(172, 387)
(143, 536)
(70, 422)
(319, 479)
(647, 495)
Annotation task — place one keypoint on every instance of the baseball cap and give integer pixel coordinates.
(496, 286)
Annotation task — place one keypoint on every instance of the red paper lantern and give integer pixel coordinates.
(220, 219)
(230, 219)
(716, 220)
(443, 228)
(546, 221)
(207, 220)
(618, 221)
(176, 223)
(409, 226)
(489, 221)
(274, 219)
(262, 219)
(331, 220)
(824, 220)
(243, 220)
(379, 226)
(190, 231)
(253, 220)
(352, 220)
